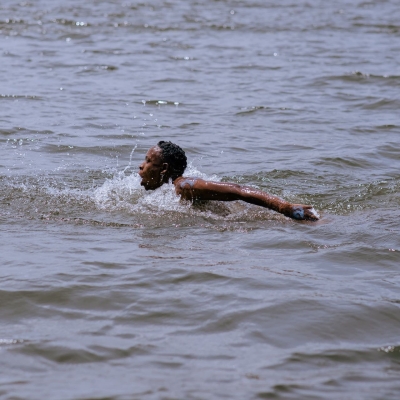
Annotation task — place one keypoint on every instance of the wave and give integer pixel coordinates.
(116, 198)
(14, 97)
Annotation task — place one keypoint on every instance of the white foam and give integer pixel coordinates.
(125, 193)
(118, 193)
(9, 341)
(314, 212)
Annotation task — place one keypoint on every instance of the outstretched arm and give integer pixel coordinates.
(199, 189)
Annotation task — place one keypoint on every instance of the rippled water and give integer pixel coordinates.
(110, 292)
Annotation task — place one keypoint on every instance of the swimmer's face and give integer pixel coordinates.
(152, 169)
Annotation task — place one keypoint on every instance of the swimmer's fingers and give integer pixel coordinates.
(311, 214)
(304, 212)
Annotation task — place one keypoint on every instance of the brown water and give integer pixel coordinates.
(110, 292)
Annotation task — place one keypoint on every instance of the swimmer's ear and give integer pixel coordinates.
(164, 168)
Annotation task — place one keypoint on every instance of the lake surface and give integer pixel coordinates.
(111, 292)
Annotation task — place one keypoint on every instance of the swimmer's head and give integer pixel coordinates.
(175, 157)
(163, 162)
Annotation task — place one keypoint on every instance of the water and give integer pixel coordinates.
(110, 292)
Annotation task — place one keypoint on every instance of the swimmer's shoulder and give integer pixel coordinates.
(185, 182)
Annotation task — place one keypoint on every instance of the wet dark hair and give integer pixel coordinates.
(175, 157)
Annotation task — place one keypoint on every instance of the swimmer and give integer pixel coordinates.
(167, 161)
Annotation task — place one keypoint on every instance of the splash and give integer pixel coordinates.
(124, 193)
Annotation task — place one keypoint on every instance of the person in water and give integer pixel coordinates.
(167, 161)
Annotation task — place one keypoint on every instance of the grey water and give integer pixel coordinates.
(111, 292)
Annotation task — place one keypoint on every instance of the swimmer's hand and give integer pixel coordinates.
(303, 212)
